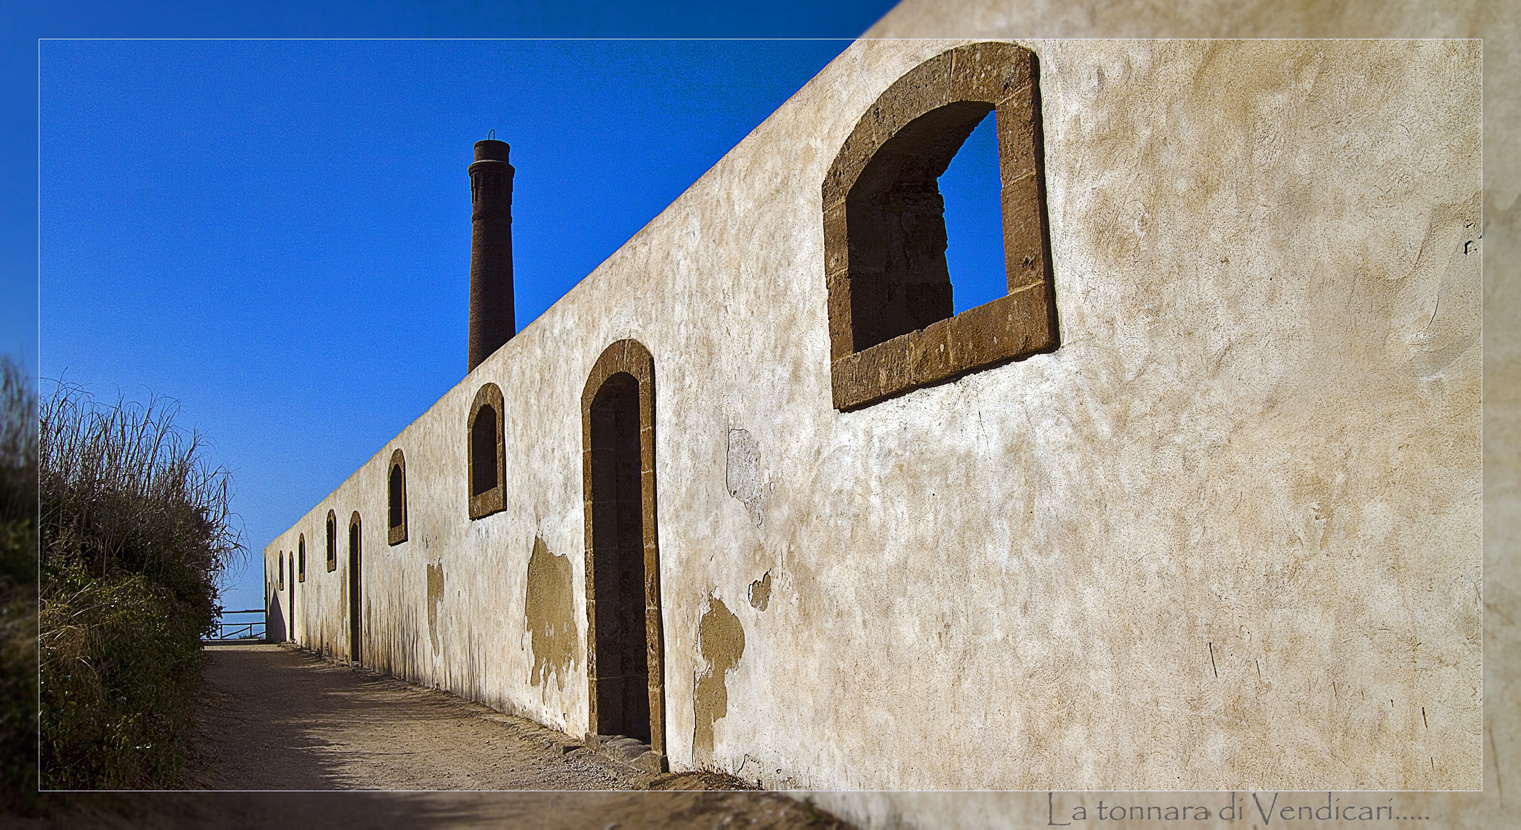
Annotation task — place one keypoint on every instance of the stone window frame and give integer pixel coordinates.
(628, 357)
(301, 558)
(396, 532)
(332, 541)
(494, 499)
(917, 117)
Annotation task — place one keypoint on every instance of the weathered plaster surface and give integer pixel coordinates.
(1227, 536)
(721, 640)
(551, 623)
(1501, 344)
(760, 592)
(743, 475)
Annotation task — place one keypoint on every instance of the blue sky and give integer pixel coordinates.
(275, 233)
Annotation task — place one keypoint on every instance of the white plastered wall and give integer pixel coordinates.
(1227, 536)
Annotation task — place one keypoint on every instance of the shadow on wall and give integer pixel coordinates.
(396, 647)
(274, 621)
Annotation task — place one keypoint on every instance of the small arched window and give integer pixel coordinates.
(486, 473)
(301, 558)
(396, 499)
(892, 326)
(280, 574)
(332, 541)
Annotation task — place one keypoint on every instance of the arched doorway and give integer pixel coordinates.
(625, 647)
(355, 632)
(290, 635)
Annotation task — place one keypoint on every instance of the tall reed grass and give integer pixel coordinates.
(135, 529)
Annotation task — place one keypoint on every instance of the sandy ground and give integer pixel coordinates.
(282, 719)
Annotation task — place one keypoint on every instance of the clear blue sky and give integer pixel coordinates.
(276, 232)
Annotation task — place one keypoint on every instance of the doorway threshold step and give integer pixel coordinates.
(631, 751)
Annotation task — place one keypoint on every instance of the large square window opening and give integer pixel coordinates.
(974, 220)
(941, 178)
(898, 221)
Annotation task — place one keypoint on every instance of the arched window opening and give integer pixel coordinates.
(301, 558)
(894, 324)
(396, 500)
(487, 466)
(483, 452)
(332, 542)
(896, 218)
(280, 572)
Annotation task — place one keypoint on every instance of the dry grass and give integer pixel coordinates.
(134, 532)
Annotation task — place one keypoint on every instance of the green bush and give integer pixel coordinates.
(18, 670)
(134, 533)
(18, 590)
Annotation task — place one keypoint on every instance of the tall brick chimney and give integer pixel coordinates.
(492, 321)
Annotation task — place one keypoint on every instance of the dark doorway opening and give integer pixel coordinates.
(355, 630)
(623, 671)
(625, 651)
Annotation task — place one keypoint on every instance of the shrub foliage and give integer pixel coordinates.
(134, 533)
(18, 590)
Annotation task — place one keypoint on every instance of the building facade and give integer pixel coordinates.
(1195, 506)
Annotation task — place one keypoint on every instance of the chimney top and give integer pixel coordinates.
(491, 150)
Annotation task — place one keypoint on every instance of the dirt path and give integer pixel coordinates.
(284, 719)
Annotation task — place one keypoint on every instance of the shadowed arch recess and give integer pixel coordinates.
(625, 645)
(487, 473)
(396, 499)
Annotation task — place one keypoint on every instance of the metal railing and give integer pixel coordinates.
(229, 631)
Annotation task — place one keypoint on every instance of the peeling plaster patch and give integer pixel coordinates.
(743, 476)
(435, 595)
(548, 614)
(722, 641)
(760, 592)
